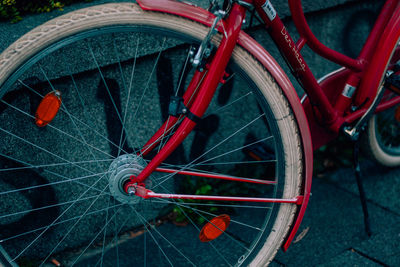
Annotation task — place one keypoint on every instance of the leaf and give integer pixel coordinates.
(301, 235)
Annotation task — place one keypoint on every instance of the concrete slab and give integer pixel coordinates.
(381, 184)
(335, 223)
(383, 246)
(349, 258)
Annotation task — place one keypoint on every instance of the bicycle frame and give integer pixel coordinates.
(372, 59)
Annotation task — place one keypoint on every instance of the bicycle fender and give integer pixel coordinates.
(254, 48)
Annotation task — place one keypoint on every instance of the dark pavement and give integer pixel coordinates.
(334, 228)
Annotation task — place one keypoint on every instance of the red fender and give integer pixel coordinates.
(204, 17)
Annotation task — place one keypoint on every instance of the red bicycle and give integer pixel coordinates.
(122, 122)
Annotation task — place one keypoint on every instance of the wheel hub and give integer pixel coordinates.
(119, 172)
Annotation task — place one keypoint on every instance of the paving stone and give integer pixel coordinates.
(349, 258)
(383, 246)
(381, 184)
(335, 221)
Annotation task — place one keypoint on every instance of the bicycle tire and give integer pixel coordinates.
(24, 77)
(382, 138)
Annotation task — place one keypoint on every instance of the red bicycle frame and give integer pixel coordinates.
(331, 94)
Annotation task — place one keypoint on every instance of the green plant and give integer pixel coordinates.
(13, 10)
(9, 11)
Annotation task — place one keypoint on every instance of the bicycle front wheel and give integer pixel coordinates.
(82, 94)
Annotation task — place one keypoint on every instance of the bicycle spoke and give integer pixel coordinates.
(69, 115)
(52, 165)
(183, 71)
(144, 250)
(50, 225)
(236, 101)
(116, 236)
(155, 241)
(163, 135)
(83, 139)
(50, 184)
(57, 129)
(125, 88)
(161, 138)
(172, 128)
(208, 213)
(105, 83)
(73, 226)
(66, 179)
(43, 149)
(148, 83)
(236, 149)
(105, 232)
(91, 242)
(163, 237)
(198, 212)
(211, 149)
(76, 119)
(84, 108)
(46, 207)
(82, 102)
(57, 223)
(122, 142)
(199, 230)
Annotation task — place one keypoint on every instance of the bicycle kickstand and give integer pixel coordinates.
(357, 173)
(354, 134)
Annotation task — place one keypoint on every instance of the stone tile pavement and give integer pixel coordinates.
(334, 222)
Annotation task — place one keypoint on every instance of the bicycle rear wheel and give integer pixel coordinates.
(382, 137)
(108, 73)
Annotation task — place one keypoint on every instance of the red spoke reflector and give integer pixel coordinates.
(48, 108)
(214, 228)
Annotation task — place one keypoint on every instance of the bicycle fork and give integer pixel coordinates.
(196, 98)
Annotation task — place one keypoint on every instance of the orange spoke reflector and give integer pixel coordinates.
(48, 108)
(397, 114)
(214, 228)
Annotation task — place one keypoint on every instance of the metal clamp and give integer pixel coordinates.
(177, 108)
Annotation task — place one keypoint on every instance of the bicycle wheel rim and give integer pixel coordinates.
(78, 37)
(386, 132)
